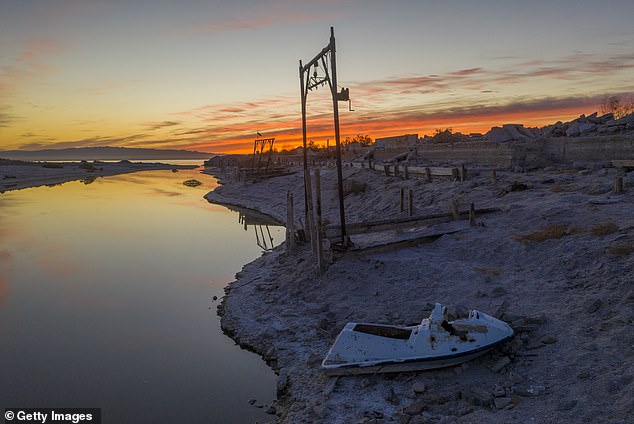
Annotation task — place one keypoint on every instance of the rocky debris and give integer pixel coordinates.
(498, 365)
(549, 339)
(414, 408)
(419, 387)
(584, 126)
(477, 396)
(502, 402)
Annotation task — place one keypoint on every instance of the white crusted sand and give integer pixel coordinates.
(571, 298)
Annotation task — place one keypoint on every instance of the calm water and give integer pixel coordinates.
(106, 301)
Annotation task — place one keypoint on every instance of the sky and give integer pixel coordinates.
(209, 75)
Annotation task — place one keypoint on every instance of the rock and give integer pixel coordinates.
(419, 387)
(500, 363)
(593, 305)
(477, 396)
(530, 391)
(320, 410)
(516, 131)
(502, 402)
(567, 405)
(392, 397)
(498, 135)
(414, 408)
(419, 419)
(252, 401)
(404, 419)
(586, 128)
(499, 391)
(271, 410)
(573, 130)
(548, 339)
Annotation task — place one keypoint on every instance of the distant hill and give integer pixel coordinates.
(103, 153)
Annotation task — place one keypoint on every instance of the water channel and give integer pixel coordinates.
(106, 301)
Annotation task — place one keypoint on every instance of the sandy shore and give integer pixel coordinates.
(556, 262)
(16, 175)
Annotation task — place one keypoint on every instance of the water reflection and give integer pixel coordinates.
(268, 232)
(106, 301)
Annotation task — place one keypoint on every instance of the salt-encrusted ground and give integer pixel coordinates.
(557, 262)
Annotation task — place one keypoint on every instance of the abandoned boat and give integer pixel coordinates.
(370, 348)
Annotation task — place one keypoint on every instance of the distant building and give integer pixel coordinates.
(397, 142)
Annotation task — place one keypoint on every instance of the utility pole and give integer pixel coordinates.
(307, 83)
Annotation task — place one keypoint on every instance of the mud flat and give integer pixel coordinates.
(556, 262)
(16, 175)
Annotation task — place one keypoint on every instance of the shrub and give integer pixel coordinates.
(554, 231)
(603, 229)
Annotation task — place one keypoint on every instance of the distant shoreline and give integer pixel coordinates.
(17, 175)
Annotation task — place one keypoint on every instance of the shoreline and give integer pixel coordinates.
(568, 295)
(17, 175)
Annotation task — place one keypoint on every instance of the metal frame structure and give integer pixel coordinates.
(307, 83)
(261, 143)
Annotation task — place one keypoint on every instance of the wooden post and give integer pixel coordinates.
(453, 207)
(402, 199)
(472, 221)
(618, 185)
(290, 227)
(396, 169)
(387, 170)
(494, 177)
(463, 173)
(454, 174)
(320, 242)
(428, 175)
(406, 171)
(411, 202)
(310, 217)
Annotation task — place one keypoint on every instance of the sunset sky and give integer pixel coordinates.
(207, 75)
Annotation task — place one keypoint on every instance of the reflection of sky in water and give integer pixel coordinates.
(105, 292)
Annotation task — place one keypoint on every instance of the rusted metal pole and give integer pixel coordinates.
(307, 193)
(335, 105)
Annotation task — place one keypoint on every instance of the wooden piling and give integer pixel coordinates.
(472, 221)
(320, 242)
(387, 170)
(402, 199)
(310, 217)
(453, 208)
(494, 177)
(428, 175)
(411, 202)
(290, 227)
(454, 174)
(618, 185)
(406, 172)
(463, 173)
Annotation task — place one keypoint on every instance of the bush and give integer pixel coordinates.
(555, 231)
(603, 229)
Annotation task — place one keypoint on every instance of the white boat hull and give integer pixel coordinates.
(436, 343)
